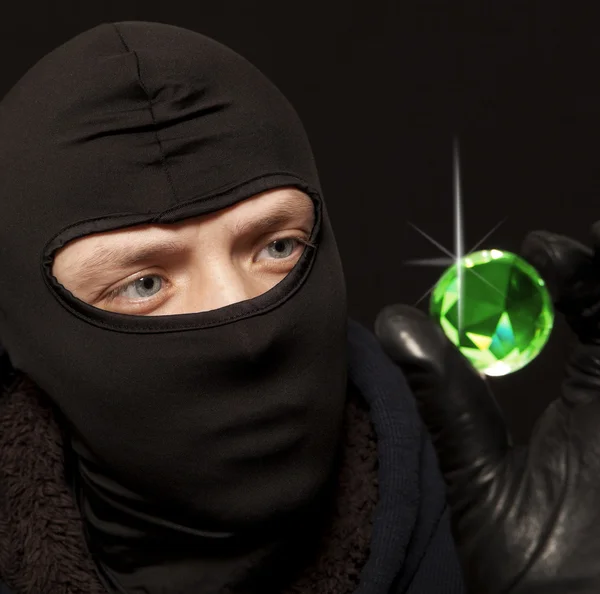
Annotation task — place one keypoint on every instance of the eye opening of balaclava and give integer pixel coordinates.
(268, 300)
(227, 419)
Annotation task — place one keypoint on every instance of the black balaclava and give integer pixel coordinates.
(195, 436)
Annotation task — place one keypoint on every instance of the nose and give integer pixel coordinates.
(218, 283)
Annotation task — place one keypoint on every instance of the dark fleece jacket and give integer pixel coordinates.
(389, 531)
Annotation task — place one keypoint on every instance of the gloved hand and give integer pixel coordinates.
(526, 519)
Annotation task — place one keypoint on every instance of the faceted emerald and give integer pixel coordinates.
(504, 315)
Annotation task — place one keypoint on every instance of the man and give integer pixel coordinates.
(188, 409)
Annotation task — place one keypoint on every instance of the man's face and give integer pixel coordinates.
(197, 265)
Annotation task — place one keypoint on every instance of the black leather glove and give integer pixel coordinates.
(526, 519)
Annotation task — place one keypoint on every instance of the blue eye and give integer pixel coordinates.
(142, 288)
(279, 248)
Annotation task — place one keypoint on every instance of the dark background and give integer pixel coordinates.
(383, 87)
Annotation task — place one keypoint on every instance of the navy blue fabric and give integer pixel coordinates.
(412, 551)
(4, 589)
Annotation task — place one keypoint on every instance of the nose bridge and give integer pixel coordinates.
(220, 282)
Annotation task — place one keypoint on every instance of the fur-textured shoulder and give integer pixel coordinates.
(42, 547)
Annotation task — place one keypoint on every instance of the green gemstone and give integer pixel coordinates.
(504, 316)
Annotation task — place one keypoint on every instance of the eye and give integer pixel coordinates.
(142, 288)
(284, 247)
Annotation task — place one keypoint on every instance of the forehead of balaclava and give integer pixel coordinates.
(135, 123)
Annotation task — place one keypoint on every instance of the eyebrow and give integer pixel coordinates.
(281, 214)
(122, 257)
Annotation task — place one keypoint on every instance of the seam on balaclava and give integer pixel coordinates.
(152, 114)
